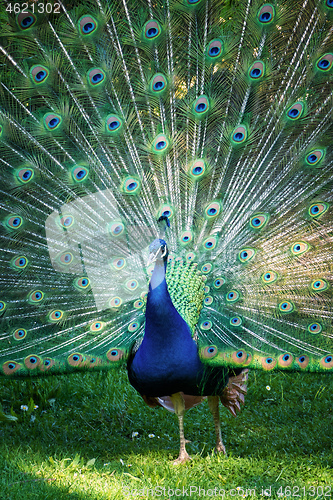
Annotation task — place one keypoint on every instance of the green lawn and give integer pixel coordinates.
(79, 442)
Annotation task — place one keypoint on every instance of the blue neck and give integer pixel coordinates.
(167, 360)
(164, 325)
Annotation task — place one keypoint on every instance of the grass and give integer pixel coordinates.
(79, 443)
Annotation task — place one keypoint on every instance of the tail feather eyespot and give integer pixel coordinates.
(197, 170)
(209, 352)
(327, 362)
(152, 30)
(315, 157)
(115, 354)
(11, 367)
(160, 144)
(256, 71)
(158, 84)
(299, 248)
(295, 111)
(76, 360)
(285, 360)
(87, 25)
(215, 49)
(286, 306)
(52, 121)
(32, 362)
(26, 20)
(325, 62)
(246, 255)
(201, 106)
(39, 74)
(20, 334)
(266, 14)
(318, 209)
(303, 361)
(239, 135)
(96, 76)
(113, 124)
(268, 363)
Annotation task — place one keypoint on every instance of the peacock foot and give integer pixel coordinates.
(220, 448)
(183, 458)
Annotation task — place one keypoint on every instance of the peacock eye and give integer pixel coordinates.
(96, 76)
(20, 262)
(266, 14)
(295, 111)
(315, 328)
(286, 306)
(215, 49)
(246, 255)
(39, 74)
(52, 121)
(259, 221)
(201, 106)
(160, 144)
(20, 334)
(314, 158)
(24, 175)
(325, 62)
(113, 124)
(239, 135)
(197, 170)
(206, 325)
(318, 209)
(26, 20)
(233, 296)
(132, 284)
(158, 84)
(87, 25)
(256, 71)
(115, 302)
(14, 222)
(218, 282)
(236, 321)
(152, 30)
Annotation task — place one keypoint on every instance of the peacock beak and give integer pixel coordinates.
(152, 257)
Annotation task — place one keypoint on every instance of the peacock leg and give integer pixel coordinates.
(179, 406)
(213, 403)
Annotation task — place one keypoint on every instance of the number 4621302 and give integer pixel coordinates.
(38, 8)
(309, 491)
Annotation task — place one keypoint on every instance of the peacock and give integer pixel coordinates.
(166, 180)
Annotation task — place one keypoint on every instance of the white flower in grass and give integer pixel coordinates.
(151, 435)
(24, 408)
(35, 407)
(135, 435)
(268, 388)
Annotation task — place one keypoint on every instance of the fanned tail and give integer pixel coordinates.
(113, 115)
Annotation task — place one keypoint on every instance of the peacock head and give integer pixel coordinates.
(158, 251)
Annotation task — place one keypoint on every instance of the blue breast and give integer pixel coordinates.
(167, 361)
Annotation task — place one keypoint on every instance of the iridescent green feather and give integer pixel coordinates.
(113, 114)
